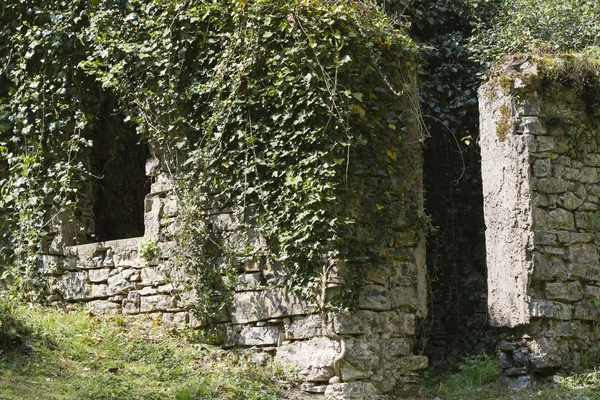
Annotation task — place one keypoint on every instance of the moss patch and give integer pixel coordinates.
(504, 125)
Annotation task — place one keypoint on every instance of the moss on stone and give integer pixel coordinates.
(504, 125)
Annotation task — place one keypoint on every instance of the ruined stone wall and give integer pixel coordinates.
(540, 164)
(362, 354)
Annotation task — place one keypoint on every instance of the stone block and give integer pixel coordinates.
(311, 360)
(586, 310)
(564, 291)
(175, 319)
(263, 305)
(368, 322)
(404, 297)
(587, 220)
(540, 308)
(152, 276)
(245, 282)
(50, 264)
(585, 272)
(542, 167)
(353, 391)
(583, 253)
(157, 302)
(552, 185)
(569, 201)
(98, 275)
(117, 284)
(591, 292)
(561, 219)
(131, 305)
(103, 307)
(412, 363)
(73, 286)
(304, 327)
(394, 347)
(259, 336)
(99, 291)
(574, 237)
(548, 267)
(363, 353)
(374, 297)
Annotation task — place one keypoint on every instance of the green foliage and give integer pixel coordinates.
(12, 331)
(266, 108)
(148, 248)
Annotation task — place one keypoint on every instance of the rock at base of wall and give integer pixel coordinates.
(312, 359)
(353, 391)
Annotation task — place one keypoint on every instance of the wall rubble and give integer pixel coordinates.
(540, 169)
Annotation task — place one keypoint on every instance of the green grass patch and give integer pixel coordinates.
(478, 378)
(71, 354)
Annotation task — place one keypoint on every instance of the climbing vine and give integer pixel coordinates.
(268, 108)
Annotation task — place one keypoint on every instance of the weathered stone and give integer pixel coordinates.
(363, 353)
(98, 275)
(98, 291)
(546, 238)
(591, 292)
(552, 185)
(157, 302)
(304, 327)
(374, 297)
(574, 237)
(259, 336)
(548, 268)
(564, 291)
(49, 264)
(365, 321)
(148, 290)
(585, 272)
(152, 276)
(176, 319)
(263, 305)
(244, 282)
(586, 310)
(404, 296)
(582, 253)
(413, 363)
(131, 305)
(311, 360)
(223, 222)
(532, 125)
(540, 308)
(587, 220)
(569, 201)
(103, 307)
(73, 286)
(169, 208)
(117, 284)
(353, 391)
(561, 219)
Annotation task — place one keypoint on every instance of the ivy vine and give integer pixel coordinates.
(270, 108)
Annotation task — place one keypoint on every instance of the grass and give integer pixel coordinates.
(478, 378)
(71, 354)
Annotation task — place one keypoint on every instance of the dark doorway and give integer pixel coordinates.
(120, 186)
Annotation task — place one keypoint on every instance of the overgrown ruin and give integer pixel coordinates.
(540, 170)
(540, 163)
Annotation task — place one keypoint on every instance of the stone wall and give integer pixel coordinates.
(362, 354)
(540, 165)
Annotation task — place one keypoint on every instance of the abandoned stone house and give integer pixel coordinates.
(540, 165)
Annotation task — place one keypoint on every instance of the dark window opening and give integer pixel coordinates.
(120, 184)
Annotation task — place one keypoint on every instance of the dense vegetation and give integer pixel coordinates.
(265, 103)
(300, 82)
